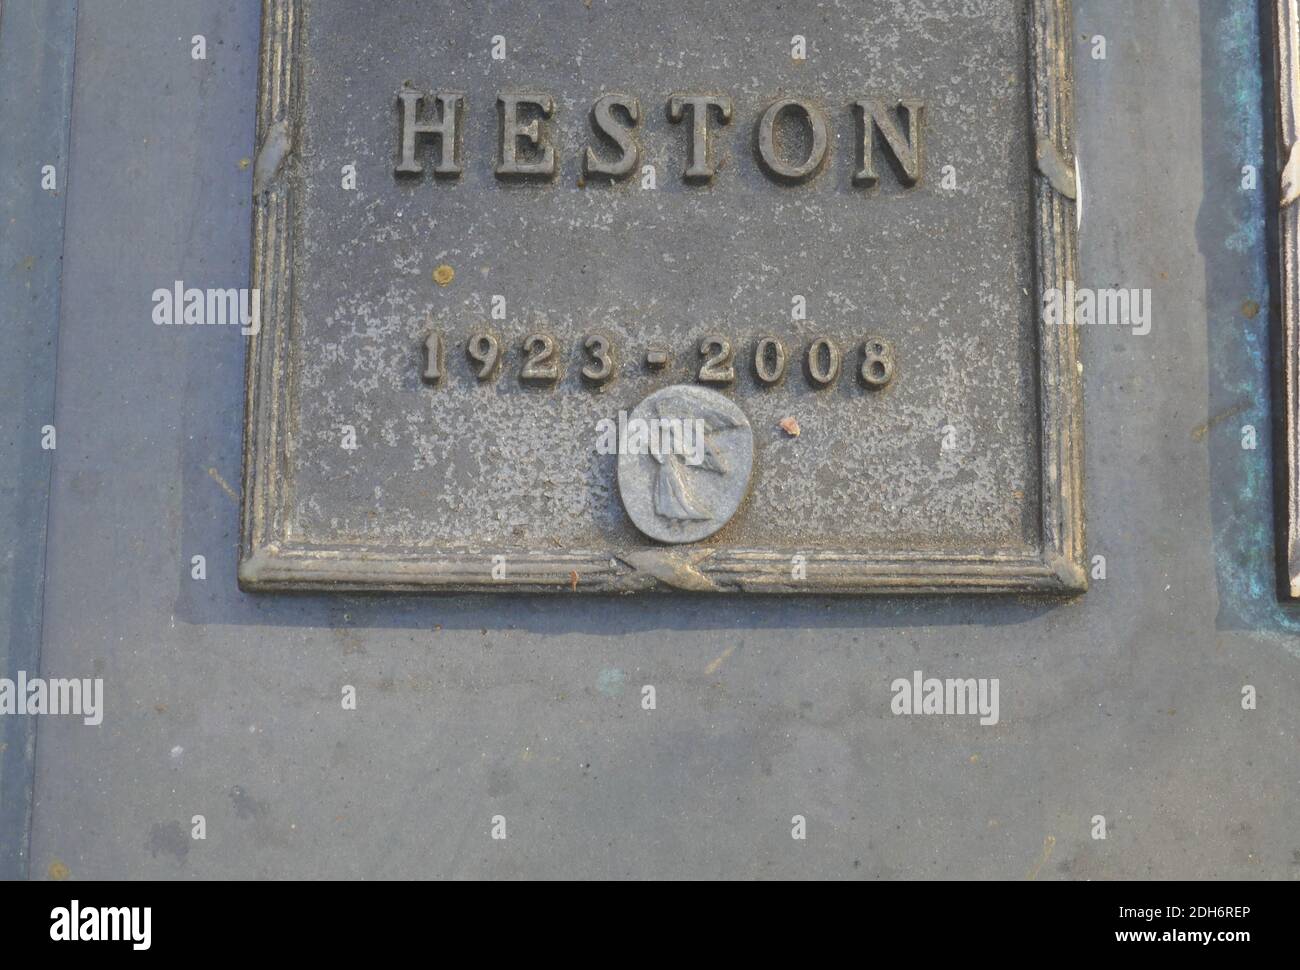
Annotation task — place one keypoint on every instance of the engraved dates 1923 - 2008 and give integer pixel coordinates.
(542, 361)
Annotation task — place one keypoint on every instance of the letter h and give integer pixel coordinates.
(446, 130)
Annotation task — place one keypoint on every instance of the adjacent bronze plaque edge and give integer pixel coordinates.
(1288, 127)
(272, 559)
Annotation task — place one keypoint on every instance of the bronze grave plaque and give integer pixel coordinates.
(596, 296)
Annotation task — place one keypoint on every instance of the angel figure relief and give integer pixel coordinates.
(691, 452)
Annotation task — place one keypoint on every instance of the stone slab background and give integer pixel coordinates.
(1124, 703)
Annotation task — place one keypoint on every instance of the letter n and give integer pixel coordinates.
(903, 149)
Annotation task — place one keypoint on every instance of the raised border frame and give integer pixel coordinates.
(271, 559)
(1287, 34)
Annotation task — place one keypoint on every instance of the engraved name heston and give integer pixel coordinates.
(527, 151)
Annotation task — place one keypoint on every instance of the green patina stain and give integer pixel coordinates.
(1241, 90)
(1239, 343)
(610, 681)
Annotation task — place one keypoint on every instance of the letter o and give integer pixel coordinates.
(772, 163)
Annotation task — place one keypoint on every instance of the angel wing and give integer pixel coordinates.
(714, 420)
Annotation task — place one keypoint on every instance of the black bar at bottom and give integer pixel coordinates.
(926, 919)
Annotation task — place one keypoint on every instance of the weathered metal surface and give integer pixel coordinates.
(482, 233)
(1287, 34)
